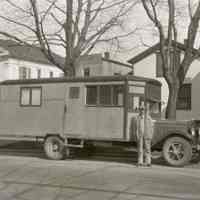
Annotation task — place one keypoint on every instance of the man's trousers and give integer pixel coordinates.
(144, 150)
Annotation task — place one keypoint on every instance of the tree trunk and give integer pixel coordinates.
(172, 99)
(72, 72)
(69, 70)
(69, 61)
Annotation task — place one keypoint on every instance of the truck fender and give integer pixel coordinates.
(54, 134)
(186, 136)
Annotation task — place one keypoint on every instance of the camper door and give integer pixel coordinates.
(74, 113)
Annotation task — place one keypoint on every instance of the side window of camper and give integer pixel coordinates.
(25, 96)
(74, 92)
(105, 95)
(30, 96)
(91, 96)
(118, 96)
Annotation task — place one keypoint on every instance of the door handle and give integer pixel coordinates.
(65, 108)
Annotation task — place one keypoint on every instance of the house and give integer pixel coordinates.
(98, 65)
(24, 62)
(147, 63)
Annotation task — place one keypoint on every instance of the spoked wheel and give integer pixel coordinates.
(54, 148)
(177, 151)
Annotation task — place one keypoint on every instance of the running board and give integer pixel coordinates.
(80, 145)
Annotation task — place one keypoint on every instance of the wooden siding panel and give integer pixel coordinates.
(103, 122)
(35, 121)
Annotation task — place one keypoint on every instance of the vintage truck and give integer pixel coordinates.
(68, 113)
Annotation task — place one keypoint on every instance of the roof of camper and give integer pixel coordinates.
(82, 79)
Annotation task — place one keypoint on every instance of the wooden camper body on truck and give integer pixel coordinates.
(69, 111)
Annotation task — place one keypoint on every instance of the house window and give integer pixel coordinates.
(30, 96)
(62, 74)
(184, 97)
(74, 92)
(86, 72)
(39, 73)
(51, 74)
(24, 73)
(29, 73)
(105, 95)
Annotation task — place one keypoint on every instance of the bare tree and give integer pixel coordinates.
(174, 69)
(76, 26)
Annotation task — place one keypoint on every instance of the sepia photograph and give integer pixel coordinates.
(99, 100)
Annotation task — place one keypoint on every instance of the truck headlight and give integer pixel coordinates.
(199, 131)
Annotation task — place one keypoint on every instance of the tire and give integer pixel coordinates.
(177, 151)
(54, 148)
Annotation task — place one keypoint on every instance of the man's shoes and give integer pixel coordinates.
(147, 165)
(140, 165)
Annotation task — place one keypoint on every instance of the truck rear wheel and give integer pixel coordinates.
(54, 148)
(177, 151)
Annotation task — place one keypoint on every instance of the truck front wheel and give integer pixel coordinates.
(54, 148)
(177, 151)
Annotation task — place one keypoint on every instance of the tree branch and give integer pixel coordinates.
(17, 23)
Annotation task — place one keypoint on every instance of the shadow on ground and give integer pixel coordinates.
(33, 149)
(22, 148)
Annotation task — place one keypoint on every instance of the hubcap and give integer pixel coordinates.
(55, 147)
(176, 151)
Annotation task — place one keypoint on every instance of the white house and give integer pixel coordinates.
(147, 63)
(23, 62)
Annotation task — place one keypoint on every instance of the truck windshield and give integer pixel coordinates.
(154, 107)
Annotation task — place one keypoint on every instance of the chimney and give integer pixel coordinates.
(107, 55)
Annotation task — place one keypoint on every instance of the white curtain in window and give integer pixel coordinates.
(25, 96)
(36, 96)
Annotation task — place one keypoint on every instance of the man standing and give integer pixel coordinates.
(144, 132)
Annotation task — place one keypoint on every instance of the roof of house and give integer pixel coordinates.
(155, 48)
(97, 57)
(34, 54)
(25, 52)
(117, 62)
